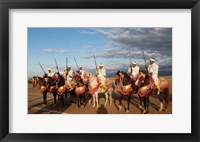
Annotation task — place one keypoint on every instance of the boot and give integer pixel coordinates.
(70, 86)
(104, 87)
(158, 91)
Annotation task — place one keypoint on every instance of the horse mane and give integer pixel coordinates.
(143, 71)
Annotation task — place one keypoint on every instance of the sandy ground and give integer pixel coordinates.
(36, 106)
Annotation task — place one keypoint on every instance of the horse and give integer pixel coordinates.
(147, 88)
(126, 87)
(95, 88)
(42, 84)
(79, 90)
(61, 88)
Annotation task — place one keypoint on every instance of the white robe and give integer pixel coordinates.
(50, 74)
(153, 68)
(135, 71)
(81, 73)
(69, 76)
(102, 75)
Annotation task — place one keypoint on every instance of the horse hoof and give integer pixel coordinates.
(160, 110)
(140, 106)
(120, 107)
(93, 106)
(145, 111)
(127, 110)
(166, 110)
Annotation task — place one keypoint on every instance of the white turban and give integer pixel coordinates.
(101, 65)
(134, 63)
(48, 69)
(152, 59)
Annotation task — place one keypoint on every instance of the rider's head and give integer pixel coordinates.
(49, 70)
(100, 66)
(80, 67)
(68, 68)
(151, 60)
(134, 64)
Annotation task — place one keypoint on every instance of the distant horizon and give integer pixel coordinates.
(114, 47)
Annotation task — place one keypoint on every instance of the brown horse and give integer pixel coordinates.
(126, 89)
(147, 88)
(42, 84)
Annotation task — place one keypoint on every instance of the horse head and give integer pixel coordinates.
(34, 81)
(142, 78)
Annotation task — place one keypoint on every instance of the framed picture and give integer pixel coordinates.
(114, 70)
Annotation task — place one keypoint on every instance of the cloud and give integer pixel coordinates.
(155, 42)
(54, 50)
(87, 32)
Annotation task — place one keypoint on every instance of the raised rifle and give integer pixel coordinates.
(130, 60)
(95, 63)
(66, 62)
(56, 64)
(144, 61)
(41, 67)
(76, 62)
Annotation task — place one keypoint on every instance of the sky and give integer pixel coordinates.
(113, 47)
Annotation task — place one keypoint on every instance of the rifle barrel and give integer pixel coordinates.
(75, 62)
(144, 59)
(95, 63)
(56, 64)
(41, 67)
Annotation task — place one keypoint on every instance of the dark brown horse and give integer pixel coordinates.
(42, 84)
(124, 80)
(147, 88)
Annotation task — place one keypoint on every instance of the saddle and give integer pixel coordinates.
(125, 90)
(143, 91)
(42, 89)
(53, 89)
(61, 90)
(80, 90)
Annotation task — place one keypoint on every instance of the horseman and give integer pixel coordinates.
(81, 72)
(64, 73)
(153, 69)
(50, 73)
(101, 74)
(134, 71)
(69, 75)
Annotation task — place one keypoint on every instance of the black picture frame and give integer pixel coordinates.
(5, 5)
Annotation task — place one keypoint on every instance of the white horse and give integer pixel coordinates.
(95, 88)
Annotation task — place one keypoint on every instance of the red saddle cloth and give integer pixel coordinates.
(80, 90)
(43, 89)
(61, 90)
(125, 90)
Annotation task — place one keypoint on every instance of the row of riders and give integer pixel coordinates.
(77, 84)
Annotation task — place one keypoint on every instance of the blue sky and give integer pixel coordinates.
(112, 46)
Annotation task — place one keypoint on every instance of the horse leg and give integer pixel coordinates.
(97, 99)
(106, 97)
(141, 100)
(83, 100)
(161, 98)
(128, 102)
(93, 98)
(110, 97)
(90, 99)
(145, 104)
(63, 100)
(120, 102)
(45, 98)
(54, 96)
(166, 96)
